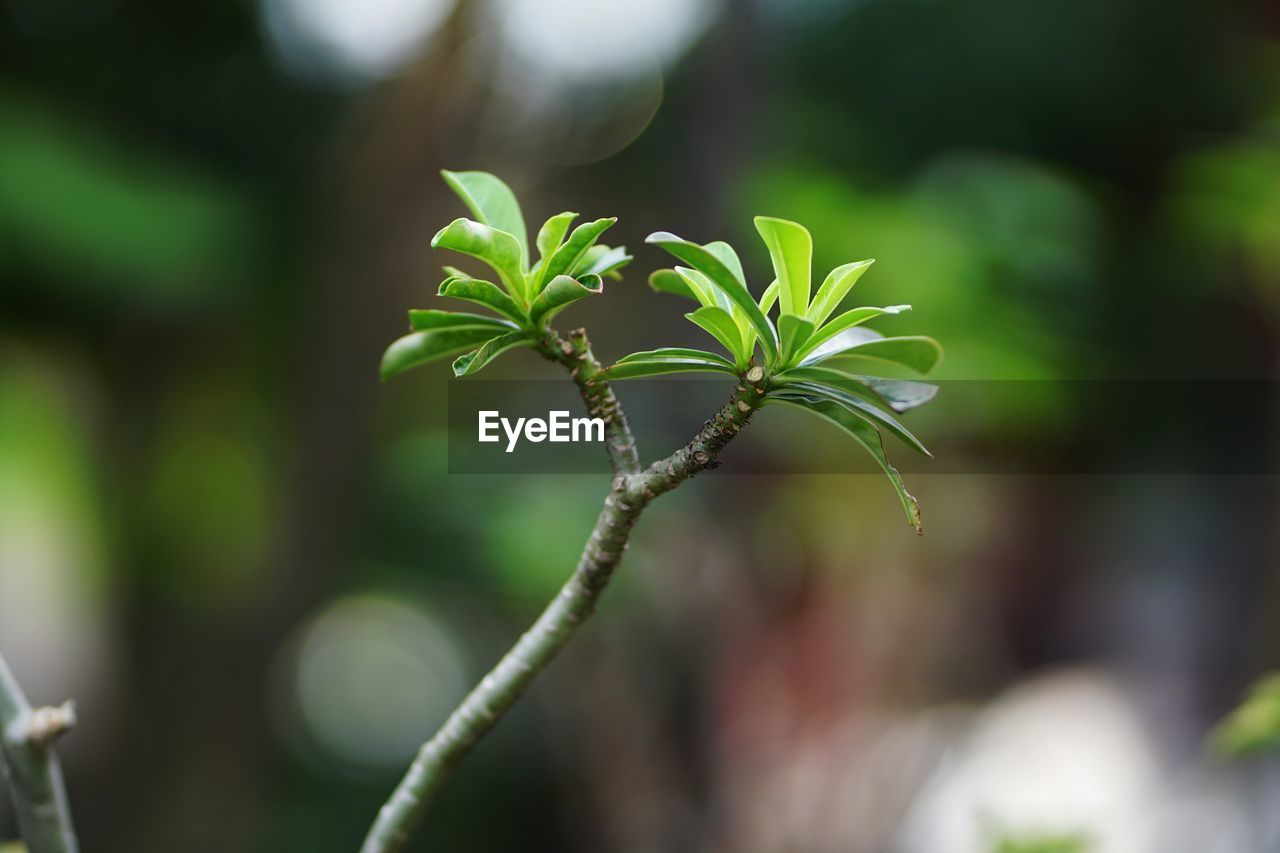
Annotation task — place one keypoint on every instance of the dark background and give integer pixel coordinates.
(246, 560)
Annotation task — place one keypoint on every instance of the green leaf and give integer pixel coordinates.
(658, 367)
(483, 293)
(914, 352)
(720, 325)
(418, 348)
(704, 291)
(602, 261)
(729, 258)
(1254, 726)
(711, 266)
(769, 297)
(847, 320)
(473, 361)
(791, 249)
(862, 432)
(793, 331)
(675, 353)
(857, 404)
(496, 248)
(834, 289)
(562, 292)
(423, 319)
(670, 281)
(900, 395)
(493, 203)
(550, 238)
(582, 239)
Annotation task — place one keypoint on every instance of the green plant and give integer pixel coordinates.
(1254, 726)
(800, 363)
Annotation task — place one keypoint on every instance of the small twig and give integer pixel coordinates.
(632, 491)
(31, 767)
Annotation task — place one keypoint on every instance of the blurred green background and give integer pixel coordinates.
(247, 562)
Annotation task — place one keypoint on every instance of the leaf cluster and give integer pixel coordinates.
(813, 357)
(571, 266)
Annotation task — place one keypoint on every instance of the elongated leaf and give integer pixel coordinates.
(707, 263)
(582, 239)
(862, 432)
(602, 261)
(857, 404)
(418, 348)
(900, 395)
(675, 353)
(769, 297)
(560, 293)
(834, 288)
(431, 318)
(483, 293)
(717, 323)
(847, 320)
(496, 248)
(914, 352)
(550, 237)
(658, 367)
(791, 249)
(793, 331)
(493, 203)
(704, 291)
(472, 362)
(729, 258)
(670, 281)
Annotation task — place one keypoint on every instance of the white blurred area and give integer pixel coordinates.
(371, 678)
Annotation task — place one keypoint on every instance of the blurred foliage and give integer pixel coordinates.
(1042, 844)
(1254, 726)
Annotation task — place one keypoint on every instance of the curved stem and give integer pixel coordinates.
(631, 492)
(31, 767)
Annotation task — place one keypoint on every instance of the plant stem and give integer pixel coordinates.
(31, 768)
(631, 492)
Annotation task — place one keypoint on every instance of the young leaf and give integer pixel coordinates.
(914, 352)
(550, 237)
(791, 249)
(769, 297)
(675, 353)
(496, 248)
(418, 348)
(562, 292)
(793, 331)
(711, 266)
(493, 203)
(602, 261)
(847, 320)
(862, 432)
(834, 288)
(658, 367)
(568, 255)
(900, 395)
(704, 291)
(717, 323)
(728, 257)
(862, 409)
(465, 365)
(482, 293)
(421, 320)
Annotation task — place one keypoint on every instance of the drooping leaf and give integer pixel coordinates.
(849, 319)
(602, 261)
(834, 288)
(422, 319)
(914, 352)
(482, 293)
(496, 248)
(856, 402)
(900, 395)
(582, 239)
(711, 266)
(657, 367)
(472, 362)
(862, 432)
(793, 332)
(418, 348)
(717, 323)
(791, 249)
(560, 293)
(673, 353)
(492, 203)
(670, 281)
